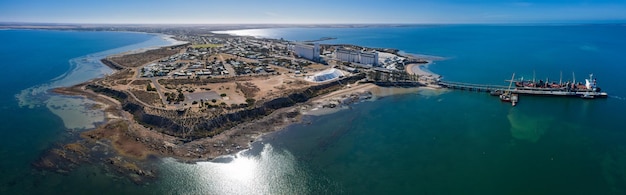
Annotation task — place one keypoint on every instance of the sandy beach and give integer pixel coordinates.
(420, 69)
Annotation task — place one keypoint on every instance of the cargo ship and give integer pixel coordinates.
(588, 89)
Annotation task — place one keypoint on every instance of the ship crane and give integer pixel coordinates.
(508, 95)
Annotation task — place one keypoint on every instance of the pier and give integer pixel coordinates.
(493, 88)
(471, 86)
(389, 78)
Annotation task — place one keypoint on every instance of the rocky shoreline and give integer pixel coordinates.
(130, 136)
(134, 132)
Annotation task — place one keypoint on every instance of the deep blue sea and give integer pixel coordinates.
(428, 142)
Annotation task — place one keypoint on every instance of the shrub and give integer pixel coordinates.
(181, 97)
(150, 88)
(250, 101)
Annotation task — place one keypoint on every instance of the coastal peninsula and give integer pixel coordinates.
(217, 93)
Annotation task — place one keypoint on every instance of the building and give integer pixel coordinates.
(347, 55)
(353, 56)
(310, 52)
(369, 58)
(326, 75)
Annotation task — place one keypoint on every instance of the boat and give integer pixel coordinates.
(587, 90)
(496, 92)
(508, 95)
(587, 96)
(505, 97)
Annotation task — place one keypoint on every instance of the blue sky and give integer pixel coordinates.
(315, 11)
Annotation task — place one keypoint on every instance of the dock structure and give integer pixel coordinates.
(584, 94)
(400, 84)
(472, 87)
(493, 88)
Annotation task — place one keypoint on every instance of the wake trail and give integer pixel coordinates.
(617, 97)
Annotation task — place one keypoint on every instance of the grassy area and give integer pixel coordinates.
(206, 45)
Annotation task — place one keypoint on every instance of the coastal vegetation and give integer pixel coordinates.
(147, 97)
(149, 87)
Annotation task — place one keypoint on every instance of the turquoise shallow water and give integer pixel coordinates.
(465, 142)
(453, 142)
(34, 61)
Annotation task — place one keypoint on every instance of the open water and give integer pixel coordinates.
(34, 61)
(429, 142)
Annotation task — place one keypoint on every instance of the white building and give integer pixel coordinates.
(369, 58)
(310, 52)
(347, 55)
(326, 75)
(361, 57)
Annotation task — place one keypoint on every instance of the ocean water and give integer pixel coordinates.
(34, 61)
(428, 142)
(455, 142)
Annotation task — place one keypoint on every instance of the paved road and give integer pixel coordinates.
(229, 68)
(159, 90)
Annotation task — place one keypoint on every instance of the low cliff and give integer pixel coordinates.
(208, 127)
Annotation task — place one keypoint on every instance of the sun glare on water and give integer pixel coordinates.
(259, 33)
(267, 172)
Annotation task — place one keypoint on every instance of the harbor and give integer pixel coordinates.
(414, 76)
(510, 93)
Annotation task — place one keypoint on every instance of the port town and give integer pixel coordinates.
(324, 97)
(215, 93)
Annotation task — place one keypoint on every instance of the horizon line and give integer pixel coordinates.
(322, 23)
(244, 26)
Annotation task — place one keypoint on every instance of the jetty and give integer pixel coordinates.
(321, 39)
(586, 90)
(502, 88)
(472, 86)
